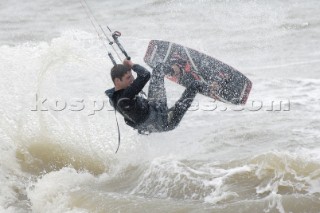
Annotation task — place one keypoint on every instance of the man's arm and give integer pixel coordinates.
(143, 76)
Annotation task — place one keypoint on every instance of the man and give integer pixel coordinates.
(152, 114)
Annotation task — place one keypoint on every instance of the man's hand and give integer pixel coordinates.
(128, 63)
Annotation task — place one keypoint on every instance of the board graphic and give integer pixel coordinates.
(224, 83)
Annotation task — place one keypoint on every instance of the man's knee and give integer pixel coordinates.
(164, 69)
(197, 86)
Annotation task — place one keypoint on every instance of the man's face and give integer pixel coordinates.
(126, 80)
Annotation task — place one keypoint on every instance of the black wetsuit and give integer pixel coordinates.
(152, 114)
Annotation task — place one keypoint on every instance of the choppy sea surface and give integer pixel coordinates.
(58, 134)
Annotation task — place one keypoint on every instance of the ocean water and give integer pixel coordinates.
(58, 134)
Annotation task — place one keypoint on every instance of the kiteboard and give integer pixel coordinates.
(223, 82)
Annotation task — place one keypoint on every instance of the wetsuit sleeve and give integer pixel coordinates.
(143, 76)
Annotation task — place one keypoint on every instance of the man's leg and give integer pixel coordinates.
(157, 91)
(176, 113)
(157, 97)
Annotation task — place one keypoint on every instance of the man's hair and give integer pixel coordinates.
(118, 71)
